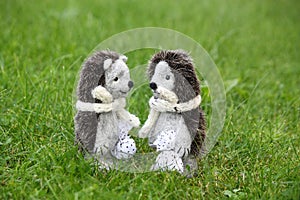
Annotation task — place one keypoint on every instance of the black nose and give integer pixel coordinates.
(153, 86)
(130, 84)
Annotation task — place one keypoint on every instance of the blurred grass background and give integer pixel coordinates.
(255, 44)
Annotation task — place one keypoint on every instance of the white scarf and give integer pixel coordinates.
(167, 102)
(108, 105)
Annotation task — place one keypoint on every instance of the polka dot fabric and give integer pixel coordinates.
(165, 140)
(125, 147)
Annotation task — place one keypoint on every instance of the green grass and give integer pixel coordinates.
(42, 45)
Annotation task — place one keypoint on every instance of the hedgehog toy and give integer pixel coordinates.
(101, 122)
(175, 126)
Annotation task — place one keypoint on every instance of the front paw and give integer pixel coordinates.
(167, 95)
(143, 132)
(161, 105)
(134, 121)
(102, 94)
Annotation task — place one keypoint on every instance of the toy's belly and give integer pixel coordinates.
(167, 121)
(107, 130)
(171, 121)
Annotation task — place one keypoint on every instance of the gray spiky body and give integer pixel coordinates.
(191, 124)
(91, 75)
(98, 133)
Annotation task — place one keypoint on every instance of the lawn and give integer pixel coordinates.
(255, 45)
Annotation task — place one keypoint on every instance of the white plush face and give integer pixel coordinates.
(163, 76)
(117, 78)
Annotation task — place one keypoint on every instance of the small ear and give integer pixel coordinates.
(124, 58)
(107, 63)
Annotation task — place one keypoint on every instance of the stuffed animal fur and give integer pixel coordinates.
(175, 125)
(101, 122)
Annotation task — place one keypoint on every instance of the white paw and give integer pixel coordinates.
(134, 121)
(102, 94)
(167, 95)
(143, 132)
(161, 105)
(168, 160)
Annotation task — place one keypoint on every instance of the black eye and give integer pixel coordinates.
(167, 77)
(116, 79)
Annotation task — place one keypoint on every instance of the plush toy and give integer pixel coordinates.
(175, 124)
(101, 122)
